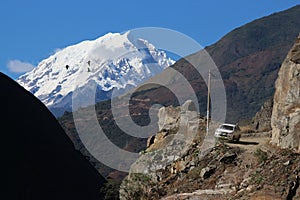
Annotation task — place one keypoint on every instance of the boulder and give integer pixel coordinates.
(168, 118)
(189, 105)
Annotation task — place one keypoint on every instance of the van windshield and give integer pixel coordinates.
(227, 127)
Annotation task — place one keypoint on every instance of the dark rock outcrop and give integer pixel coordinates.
(38, 160)
(286, 110)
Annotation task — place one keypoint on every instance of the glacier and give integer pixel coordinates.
(114, 61)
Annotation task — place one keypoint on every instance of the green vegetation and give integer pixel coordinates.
(137, 186)
(257, 178)
(261, 155)
(110, 190)
(194, 173)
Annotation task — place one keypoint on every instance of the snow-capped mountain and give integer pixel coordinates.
(113, 61)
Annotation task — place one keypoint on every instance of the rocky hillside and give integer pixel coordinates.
(223, 173)
(250, 169)
(38, 160)
(286, 111)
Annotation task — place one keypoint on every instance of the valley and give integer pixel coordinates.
(258, 66)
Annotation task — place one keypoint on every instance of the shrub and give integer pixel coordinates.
(261, 155)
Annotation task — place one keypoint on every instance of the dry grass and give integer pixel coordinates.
(247, 129)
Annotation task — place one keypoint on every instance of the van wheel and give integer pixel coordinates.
(236, 139)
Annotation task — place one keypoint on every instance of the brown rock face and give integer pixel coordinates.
(286, 110)
(262, 119)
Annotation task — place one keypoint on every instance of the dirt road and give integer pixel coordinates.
(252, 142)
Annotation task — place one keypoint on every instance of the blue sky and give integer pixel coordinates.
(32, 30)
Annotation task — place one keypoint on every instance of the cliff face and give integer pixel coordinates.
(286, 111)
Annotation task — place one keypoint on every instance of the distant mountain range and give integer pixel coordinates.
(112, 62)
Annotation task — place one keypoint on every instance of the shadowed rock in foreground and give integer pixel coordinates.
(38, 160)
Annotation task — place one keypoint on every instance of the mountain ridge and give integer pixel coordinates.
(251, 62)
(248, 59)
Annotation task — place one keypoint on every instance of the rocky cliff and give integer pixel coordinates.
(286, 110)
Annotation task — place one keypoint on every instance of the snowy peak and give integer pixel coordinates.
(112, 61)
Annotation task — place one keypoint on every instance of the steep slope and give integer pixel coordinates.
(38, 160)
(249, 169)
(248, 58)
(286, 109)
(113, 61)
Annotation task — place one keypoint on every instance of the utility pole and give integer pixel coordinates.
(208, 102)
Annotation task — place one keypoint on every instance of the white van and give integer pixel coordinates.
(229, 132)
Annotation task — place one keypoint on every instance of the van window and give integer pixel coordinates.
(227, 127)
